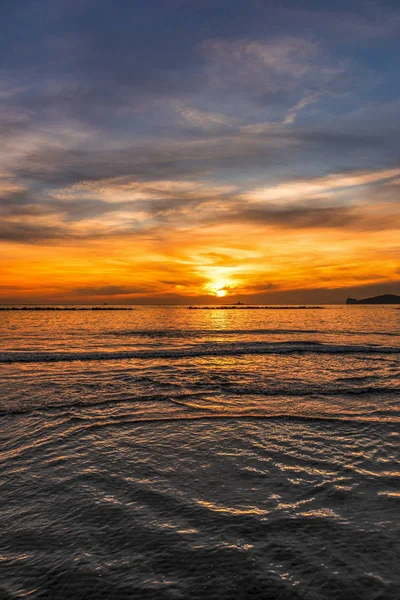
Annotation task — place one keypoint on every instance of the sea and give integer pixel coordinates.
(169, 453)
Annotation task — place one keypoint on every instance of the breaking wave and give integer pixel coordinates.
(200, 350)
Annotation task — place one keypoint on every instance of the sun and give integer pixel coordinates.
(218, 287)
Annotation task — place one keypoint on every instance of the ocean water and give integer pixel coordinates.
(167, 453)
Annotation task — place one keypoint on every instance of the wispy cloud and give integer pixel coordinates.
(201, 119)
(320, 188)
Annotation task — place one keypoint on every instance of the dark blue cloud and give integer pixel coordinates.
(234, 91)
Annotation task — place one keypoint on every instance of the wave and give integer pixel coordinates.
(186, 399)
(191, 333)
(119, 415)
(200, 350)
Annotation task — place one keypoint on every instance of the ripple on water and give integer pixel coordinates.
(163, 453)
(218, 509)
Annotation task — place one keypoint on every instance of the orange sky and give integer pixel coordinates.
(219, 243)
(244, 152)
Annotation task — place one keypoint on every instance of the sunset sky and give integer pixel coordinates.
(182, 151)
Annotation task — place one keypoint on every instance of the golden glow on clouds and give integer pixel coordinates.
(123, 270)
(232, 170)
(298, 190)
(217, 288)
(196, 249)
(124, 189)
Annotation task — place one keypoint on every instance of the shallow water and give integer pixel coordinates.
(168, 453)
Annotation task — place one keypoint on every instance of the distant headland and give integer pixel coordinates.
(385, 299)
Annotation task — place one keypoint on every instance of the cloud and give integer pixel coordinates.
(127, 189)
(287, 56)
(293, 112)
(125, 206)
(255, 67)
(31, 233)
(318, 188)
(111, 290)
(245, 145)
(202, 120)
(68, 156)
(311, 217)
(371, 21)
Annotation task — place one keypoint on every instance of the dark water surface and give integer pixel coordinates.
(168, 453)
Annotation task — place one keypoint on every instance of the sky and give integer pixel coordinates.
(196, 152)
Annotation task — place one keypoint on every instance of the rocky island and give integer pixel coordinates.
(385, 299)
